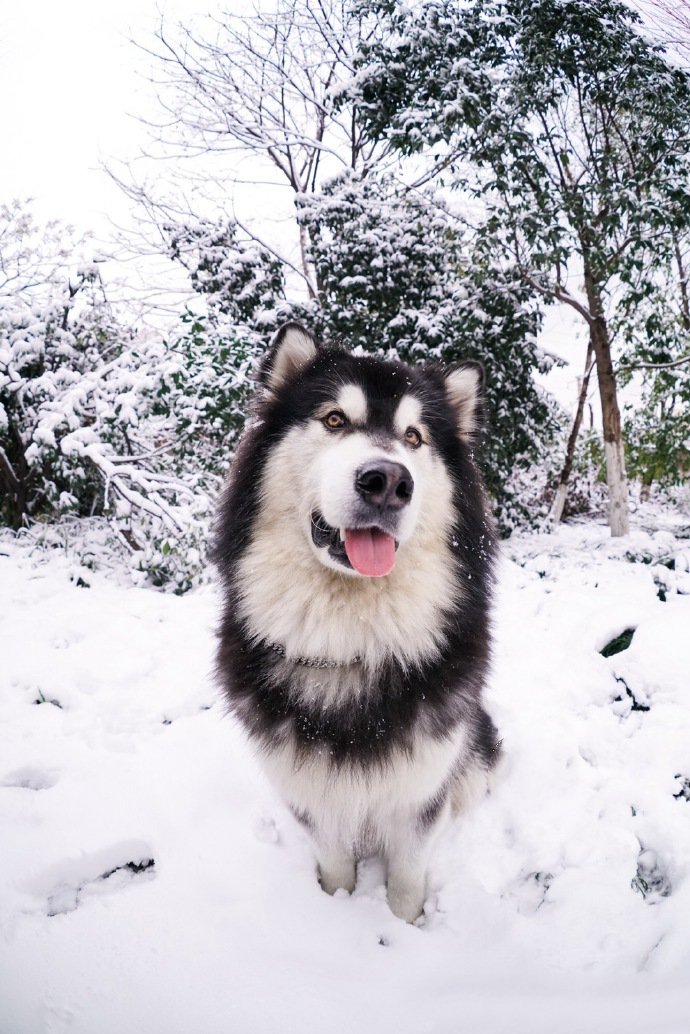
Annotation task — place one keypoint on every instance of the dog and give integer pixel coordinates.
(355, 550)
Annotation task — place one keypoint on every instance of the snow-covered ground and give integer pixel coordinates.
(151, 882)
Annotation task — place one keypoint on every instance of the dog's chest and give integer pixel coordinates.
(358, 797)
(317, 614)
(317, 688)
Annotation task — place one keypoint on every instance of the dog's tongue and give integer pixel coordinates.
(370, 551)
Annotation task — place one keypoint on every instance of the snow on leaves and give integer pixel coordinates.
(97, 419)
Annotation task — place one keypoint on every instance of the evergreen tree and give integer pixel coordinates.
(569, 126)
(237, 276)
(399, 276)
(654, 328)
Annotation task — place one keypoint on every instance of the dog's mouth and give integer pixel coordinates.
(369, 551)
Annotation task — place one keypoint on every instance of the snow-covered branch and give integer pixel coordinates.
(683, 361)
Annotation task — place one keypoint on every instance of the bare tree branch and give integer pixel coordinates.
(654, 366)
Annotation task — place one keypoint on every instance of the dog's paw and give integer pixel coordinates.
(405, 901)
(340, 876)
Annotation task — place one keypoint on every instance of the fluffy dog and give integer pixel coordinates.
(355, 550)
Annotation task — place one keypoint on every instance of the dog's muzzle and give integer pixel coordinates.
(368, 543)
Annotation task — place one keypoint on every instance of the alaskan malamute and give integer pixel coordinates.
(355, 551)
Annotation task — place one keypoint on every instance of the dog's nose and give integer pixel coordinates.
(384, 484)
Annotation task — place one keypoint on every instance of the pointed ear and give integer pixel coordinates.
(465, 390)
(291, 349)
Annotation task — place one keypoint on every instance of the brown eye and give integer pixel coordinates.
(335, 420)
(413, 437)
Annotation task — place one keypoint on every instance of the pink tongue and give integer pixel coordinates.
(370, 551)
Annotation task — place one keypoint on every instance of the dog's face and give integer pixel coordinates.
(364, 462)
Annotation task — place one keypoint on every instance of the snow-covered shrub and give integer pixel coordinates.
(587, 485)
(79, 433)
(199, 408)
(169, 556)
(66, 381)
(97, 420)
(160, 494)
(528, 493)
(242, 283)
(203, 390)
(657, 431)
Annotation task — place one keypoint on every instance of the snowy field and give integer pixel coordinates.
(151, 883)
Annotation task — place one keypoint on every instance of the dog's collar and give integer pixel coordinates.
(312, 662)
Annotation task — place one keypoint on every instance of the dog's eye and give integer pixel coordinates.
(335, 420)
(413, 437)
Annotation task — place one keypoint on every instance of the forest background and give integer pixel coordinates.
(424, 181)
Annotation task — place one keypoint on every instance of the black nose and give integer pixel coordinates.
(384, 484)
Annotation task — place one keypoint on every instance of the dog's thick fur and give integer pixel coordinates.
(362, 693)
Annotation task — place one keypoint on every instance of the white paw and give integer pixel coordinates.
(342, 877)
(406, 901)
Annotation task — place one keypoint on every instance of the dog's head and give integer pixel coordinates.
(368, 445)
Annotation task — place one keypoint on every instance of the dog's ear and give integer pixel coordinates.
(291, 349)
(465, 390)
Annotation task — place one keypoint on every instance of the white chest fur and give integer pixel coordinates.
(366, 806)
(286, 596)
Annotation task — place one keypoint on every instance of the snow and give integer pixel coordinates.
(150, 880)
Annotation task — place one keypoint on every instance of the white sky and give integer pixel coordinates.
(70, 88)
(73, 87)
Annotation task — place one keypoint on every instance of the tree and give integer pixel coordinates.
(655, 330)
(560, 497)
(669, 22)
(569, 126)
(263, 86)
(400, 275)
(382, 263)
(239, 278)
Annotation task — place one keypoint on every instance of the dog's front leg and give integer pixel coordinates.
(337, 868)
(408, 856)
(407, 885)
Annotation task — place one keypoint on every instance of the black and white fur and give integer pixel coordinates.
(362, 694)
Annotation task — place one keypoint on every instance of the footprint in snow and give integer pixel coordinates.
(30, 779)
(65, 885)
(530, 892)
(266, 831)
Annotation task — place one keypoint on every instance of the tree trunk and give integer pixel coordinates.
(14, 490)
(562, 490)
(683, 282)
(312, 288)
(610, 413)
